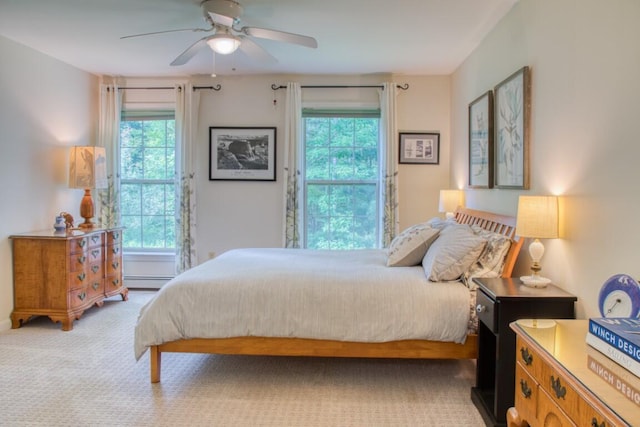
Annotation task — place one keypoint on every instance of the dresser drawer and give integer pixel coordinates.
(485, 307)
(526, 393)
(95, 240)
(559, 391)
(78, 261)
(114, 237)
(529, 359)
(78, 245)
(550, 414)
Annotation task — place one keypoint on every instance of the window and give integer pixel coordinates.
(147, 171)
(341, 179)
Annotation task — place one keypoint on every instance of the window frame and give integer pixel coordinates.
(147, 115)
(340, 113)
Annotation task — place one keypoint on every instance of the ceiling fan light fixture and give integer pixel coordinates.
(224, 43)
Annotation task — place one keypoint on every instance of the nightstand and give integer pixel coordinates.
(499, 302)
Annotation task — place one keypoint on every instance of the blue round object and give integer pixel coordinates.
(620, 297)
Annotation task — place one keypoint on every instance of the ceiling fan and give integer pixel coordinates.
(223, 17)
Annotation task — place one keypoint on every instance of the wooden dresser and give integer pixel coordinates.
(561, 381)
(60, 275)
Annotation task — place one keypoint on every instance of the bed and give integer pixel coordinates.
(358, 291)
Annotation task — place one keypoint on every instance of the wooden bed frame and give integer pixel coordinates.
(408, 349)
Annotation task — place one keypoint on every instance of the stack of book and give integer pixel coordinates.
(618, 339)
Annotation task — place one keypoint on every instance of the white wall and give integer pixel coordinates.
(585, 64)
(46, 106)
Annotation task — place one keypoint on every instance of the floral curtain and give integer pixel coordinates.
(109, 137)
(292, 179)
(389, 164)
(187, 106)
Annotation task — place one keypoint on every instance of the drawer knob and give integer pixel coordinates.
(558, 389)
(526, 356)
(82, 296)
(594, 423)
(95, 268)
(95, 286)
(82, 276)
(481, 308)
(526, 390)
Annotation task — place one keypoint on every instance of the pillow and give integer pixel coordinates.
(408, 247)
(494, 253)
(453, 252)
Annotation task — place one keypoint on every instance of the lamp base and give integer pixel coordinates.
(535, 281)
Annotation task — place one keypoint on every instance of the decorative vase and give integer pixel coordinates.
(60, 225)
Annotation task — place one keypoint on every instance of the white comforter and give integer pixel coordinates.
(336, 295)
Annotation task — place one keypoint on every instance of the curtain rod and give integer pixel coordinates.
(403, 87)
(216, 87)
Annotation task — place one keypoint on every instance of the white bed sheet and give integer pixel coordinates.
(334, 295)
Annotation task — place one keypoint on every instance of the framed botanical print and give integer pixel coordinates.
(481, 141)
(512, 112)
(242, 153)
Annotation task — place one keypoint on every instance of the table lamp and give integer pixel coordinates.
(538, 219)
(87, 170)
(449, 201)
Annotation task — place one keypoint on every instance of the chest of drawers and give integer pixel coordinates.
(561, 381)
(61, 275)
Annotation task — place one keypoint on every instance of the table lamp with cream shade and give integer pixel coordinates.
(538, 219)
(449, 201)
(87, 170)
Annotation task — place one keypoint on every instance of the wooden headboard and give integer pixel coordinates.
(501, 224)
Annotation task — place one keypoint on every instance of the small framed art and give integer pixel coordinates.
(419, 148)
(242, 153)
(512, 111)
(481, 141)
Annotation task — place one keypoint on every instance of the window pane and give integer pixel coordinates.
(132, 163)
(342, 163)
(155, 163)
(130, 199)
(317, 131)
(132, 238)
(153, 199)
(317, 163)
(131, 134)
(153, 235)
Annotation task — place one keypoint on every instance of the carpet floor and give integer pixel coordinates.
(89, 377)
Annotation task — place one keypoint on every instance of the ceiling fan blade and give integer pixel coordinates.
(191, 51)
(256, 52)
(167, 31)
(281, 36)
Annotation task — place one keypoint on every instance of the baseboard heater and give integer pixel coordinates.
(142, 281)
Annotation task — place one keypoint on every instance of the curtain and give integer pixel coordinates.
(109, 137)
(292, 180)
(390, 222)
(187, 106)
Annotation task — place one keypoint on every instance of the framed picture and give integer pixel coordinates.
(419, 148)
(481, 141)
(512, 111)
(242, 153)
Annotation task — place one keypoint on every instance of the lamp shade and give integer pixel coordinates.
(223, 43)
(537, 217)
(450, 200)
(88, 167)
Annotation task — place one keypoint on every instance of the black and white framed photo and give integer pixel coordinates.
(242, 153)
(419, 148)
(512, 105)
(481, 141)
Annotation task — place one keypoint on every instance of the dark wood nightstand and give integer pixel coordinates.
(500, 302)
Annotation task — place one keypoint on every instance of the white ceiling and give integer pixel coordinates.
(354, 36)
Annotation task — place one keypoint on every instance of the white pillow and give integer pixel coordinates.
(453, 252)
(408, 247)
